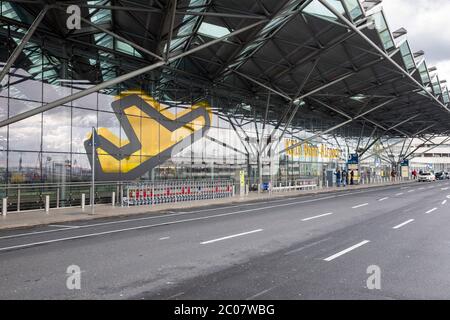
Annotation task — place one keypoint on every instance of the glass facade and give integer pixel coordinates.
(51, 146)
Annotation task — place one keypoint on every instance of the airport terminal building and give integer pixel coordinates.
(284, 91)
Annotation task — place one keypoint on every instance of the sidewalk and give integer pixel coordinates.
(26, 219)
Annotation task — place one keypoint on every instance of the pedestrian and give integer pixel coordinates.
(338, 177)
(352, 177)
(393, 174)
(344, 178)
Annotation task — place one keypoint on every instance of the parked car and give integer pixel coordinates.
(440, 175)
(426, 177)
(446, 175)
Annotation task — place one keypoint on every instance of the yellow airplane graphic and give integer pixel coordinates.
(153, 133)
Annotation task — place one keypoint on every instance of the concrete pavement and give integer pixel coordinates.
(317, 246)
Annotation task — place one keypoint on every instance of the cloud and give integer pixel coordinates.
(428, 25)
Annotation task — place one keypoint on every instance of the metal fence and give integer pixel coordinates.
(23, 197)
(298, 184)
(172, 192)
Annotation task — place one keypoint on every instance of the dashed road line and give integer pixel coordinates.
(231, 237)
(382, 199)
(337, 255)
(444, 202)
(403, 224)
(399, 194)
(63, 226)
(317, 217)
(432, 210)
(175, 295)
(360, 205)
(260, 294)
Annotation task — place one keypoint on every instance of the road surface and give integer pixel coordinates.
(310, 247)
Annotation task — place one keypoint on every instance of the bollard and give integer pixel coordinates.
(5, 206)
(18, 199)
(153, 194)
(47, 203)
(113, 198)
(83, 200)
(121, 195)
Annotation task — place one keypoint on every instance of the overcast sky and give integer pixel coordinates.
(428, 25)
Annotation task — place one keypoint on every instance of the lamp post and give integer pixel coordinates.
(93, 172)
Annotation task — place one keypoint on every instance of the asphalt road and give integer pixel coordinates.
(311, 247)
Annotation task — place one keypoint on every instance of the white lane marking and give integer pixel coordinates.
(360, 205)
(403, 224)
(63, 226)
(421, 188)
(317, 217)
(260, 294)
(382, 199)
(232, 236)
(448, 197)
(175, 295)
(164, 238)
(404, 188)
(399, 194)
(444, 202)
(432, 210)
(443, 189)
(411, 191)
(337, 255)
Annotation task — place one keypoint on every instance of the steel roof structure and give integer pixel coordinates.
(322, 65)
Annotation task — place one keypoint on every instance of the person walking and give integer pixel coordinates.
(352, 177)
